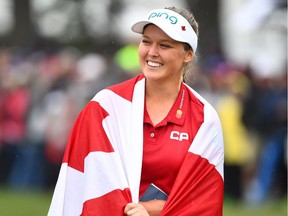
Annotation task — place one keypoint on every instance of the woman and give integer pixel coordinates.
(152, 129)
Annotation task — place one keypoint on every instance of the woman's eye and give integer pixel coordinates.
(145, 41)
(165, 45)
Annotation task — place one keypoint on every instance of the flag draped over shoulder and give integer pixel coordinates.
(199, 187)
(101, 168)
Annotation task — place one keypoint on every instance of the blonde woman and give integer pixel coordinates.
(150, 135)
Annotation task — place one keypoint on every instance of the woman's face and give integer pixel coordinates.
(160, 57)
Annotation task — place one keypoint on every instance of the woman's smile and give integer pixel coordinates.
(154, 64)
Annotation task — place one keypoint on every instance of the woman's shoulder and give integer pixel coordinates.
(125, 89)
(210, 114)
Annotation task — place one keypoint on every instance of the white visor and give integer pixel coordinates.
(172, 23)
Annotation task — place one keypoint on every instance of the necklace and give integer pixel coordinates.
(179, 110)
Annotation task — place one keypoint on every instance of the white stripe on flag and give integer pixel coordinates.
(103, 173)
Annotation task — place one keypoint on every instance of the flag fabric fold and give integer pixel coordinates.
(101, 167)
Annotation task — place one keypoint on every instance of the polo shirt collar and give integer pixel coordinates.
(177, 112)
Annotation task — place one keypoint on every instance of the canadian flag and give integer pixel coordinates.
(101, 168)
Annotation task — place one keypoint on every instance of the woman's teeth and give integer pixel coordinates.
(153, 64)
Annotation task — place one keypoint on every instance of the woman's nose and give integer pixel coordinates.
(153, 51)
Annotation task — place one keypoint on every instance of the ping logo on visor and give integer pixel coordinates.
(166, 16)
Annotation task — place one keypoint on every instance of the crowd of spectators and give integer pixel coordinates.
(42, 92)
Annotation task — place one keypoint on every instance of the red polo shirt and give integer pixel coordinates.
(166, 144)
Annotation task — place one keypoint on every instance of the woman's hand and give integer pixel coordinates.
(135, 209)
(150, 208)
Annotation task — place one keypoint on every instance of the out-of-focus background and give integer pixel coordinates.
(55, 55)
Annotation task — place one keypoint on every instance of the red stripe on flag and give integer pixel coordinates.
(112, 203)
(87, 135)
(198, 189)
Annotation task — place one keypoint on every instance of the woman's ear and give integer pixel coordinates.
(189, 56)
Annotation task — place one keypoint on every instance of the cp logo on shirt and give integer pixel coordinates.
(176, 135)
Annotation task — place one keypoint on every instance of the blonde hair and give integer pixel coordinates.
(194, 24)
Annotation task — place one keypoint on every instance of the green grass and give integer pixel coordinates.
(36, 203)
(272, 208)
(24, 203)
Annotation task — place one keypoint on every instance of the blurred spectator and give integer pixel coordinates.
(238, 147)
(15, 99)
(47, 121)
(265, 112)
(229, 87)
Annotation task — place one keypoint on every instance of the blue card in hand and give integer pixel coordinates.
(153, 193)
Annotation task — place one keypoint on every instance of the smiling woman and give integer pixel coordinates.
(150, 130)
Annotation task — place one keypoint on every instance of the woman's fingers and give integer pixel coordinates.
(135, 209)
